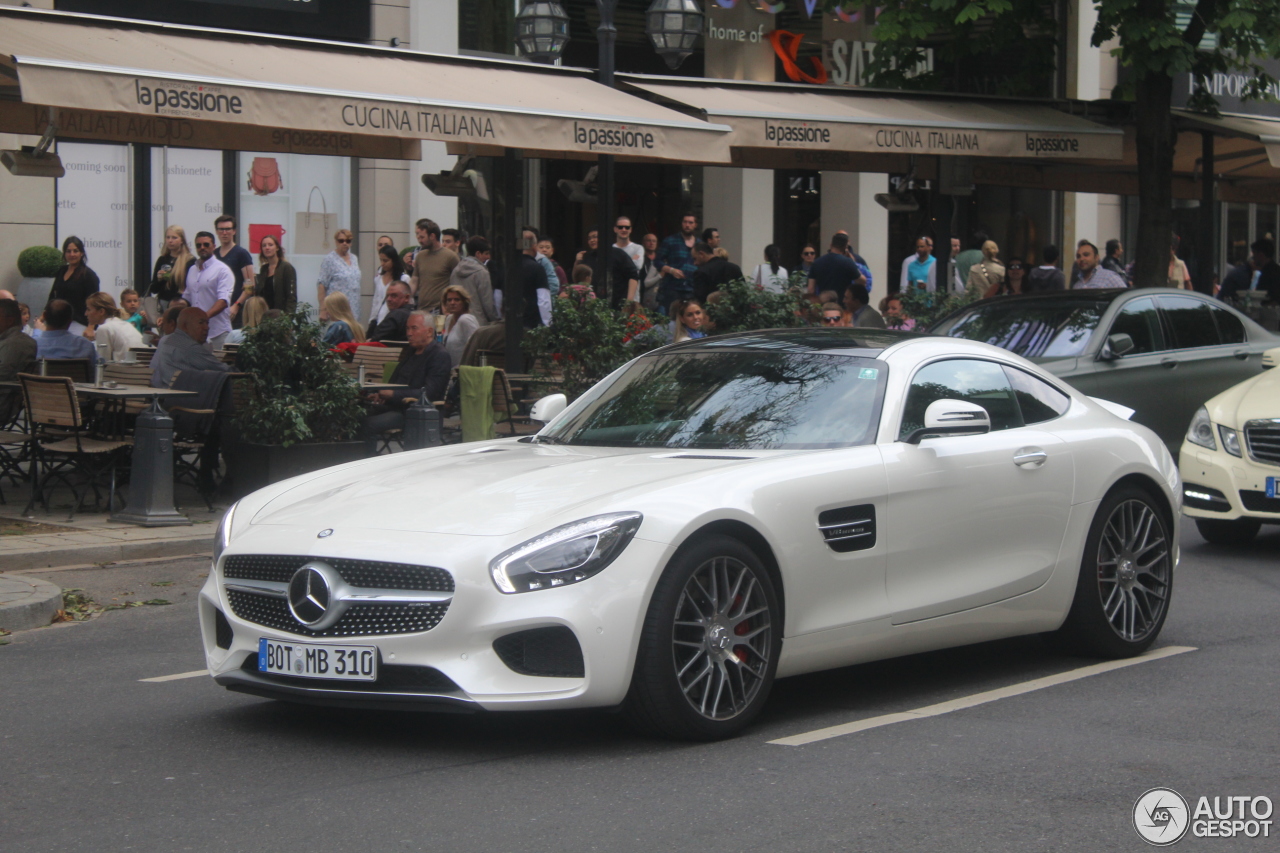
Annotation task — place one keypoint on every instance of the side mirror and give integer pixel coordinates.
(951, 417)
(1116, 345)
(545, 410)
(1270, 358)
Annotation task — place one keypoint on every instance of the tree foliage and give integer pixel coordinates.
(302, 393)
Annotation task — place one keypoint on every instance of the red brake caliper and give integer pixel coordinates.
(743, 627)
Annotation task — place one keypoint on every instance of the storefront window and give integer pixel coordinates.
(186, 190)
(94, 204)
(1236, 232)
(797, 214)
(303, 208)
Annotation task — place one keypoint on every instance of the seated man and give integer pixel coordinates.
(184, 349)
(55, 341)
(861, 314)
(17, 350)
(424, 367)
(393, 326)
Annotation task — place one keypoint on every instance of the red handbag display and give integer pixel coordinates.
(257, 232)
(264, 176)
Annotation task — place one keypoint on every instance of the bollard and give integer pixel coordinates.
(421, 427)
(150, 501)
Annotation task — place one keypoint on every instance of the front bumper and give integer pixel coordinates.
(604, 613)
(1216, 484)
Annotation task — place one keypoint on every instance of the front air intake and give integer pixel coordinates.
(548, 652)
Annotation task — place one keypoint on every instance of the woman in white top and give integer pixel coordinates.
(772, 275)
(106, 326)
(340, 272)
(391, 269)
(459, 322)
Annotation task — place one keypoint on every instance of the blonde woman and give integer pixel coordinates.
(342, 327)
(689, 321)
(169, 277)
(459, 322)
(340, 273)
(255, 308)
(987, 276)
(107, 326)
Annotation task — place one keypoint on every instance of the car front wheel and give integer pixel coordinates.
(1126, 578)
(710, 644)
(1239, 531)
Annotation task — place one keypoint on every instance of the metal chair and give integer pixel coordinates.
(60, 444)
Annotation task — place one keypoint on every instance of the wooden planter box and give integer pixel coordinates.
(254, 466)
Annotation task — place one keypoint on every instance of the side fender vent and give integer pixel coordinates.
(850, 528)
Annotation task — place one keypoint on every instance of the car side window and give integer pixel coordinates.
(1191, 321)
(980, 382)
(1140, 321)
(1230, 329)
(1038, 400)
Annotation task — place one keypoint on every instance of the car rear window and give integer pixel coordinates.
(1030, 328)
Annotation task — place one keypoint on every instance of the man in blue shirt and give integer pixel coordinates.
(55, 341)
(835, 270)
(675, 261)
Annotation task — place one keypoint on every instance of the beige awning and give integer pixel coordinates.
(826, 119)
(83, 62)
(1266, 132)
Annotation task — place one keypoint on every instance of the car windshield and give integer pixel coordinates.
(735, 399)
(1031, 328)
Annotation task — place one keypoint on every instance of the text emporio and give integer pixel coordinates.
(595, 138)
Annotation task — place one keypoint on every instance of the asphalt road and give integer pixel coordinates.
(91, 758)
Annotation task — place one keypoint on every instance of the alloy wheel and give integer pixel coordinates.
(1134, 569)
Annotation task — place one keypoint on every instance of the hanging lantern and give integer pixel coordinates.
(674, 26)
(542, 30)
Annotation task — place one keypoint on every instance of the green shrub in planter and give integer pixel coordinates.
(302, 394)
(745, 306)
(39, 261)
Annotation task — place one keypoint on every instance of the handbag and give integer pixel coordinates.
(314, 231)
(259, 231)
(264, 176)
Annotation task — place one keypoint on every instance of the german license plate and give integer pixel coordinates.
(1271, 487)
(313, 660)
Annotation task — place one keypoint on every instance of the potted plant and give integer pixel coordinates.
(744, 306)
(304, 412)
(38, 265)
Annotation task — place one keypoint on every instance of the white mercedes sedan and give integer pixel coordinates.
(710, 517)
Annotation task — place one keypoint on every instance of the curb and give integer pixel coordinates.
(105, 552)
(34, 606)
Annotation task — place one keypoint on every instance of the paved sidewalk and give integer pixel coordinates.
(93, 538)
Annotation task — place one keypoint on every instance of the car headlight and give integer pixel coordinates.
(1230, 440)
(1201, 430)
(223, 537)
(568, 554)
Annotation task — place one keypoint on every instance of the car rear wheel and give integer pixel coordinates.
(710, 644)
(1239, 531)
(1126, 578)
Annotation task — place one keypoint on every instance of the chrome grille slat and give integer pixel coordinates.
(1262, 438)
(368, 574)
(360, 620)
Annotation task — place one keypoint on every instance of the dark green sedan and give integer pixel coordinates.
(1161, 352)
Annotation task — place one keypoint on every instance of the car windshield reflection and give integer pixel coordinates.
(740, 400)
(1030, 329)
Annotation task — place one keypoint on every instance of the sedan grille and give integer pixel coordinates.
(362, 573)
(1263, 440)
(360, 620)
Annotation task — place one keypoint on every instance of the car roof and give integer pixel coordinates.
(864, 343)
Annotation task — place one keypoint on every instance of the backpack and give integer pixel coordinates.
(264, 176)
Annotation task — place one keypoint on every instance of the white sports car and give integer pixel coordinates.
(708, 518)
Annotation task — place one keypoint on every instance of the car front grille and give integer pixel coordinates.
(360, 620)
(361, 573)
(1255, 501)
(1262, 437)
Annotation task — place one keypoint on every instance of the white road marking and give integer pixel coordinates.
(195, 673)
(978, 698)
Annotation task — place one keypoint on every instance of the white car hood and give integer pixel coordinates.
(1255, 398)
(482, 490)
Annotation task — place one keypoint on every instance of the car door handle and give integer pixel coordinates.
(1241, 354)
(1030, 457)
(1170, 363)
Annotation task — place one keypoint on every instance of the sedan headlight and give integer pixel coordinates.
(222, 538)
(568, 554)
(1230, 440)
(1201, 430)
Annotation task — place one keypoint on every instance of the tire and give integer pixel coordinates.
(1238, 531)
(707, 658)
(1126, 579)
